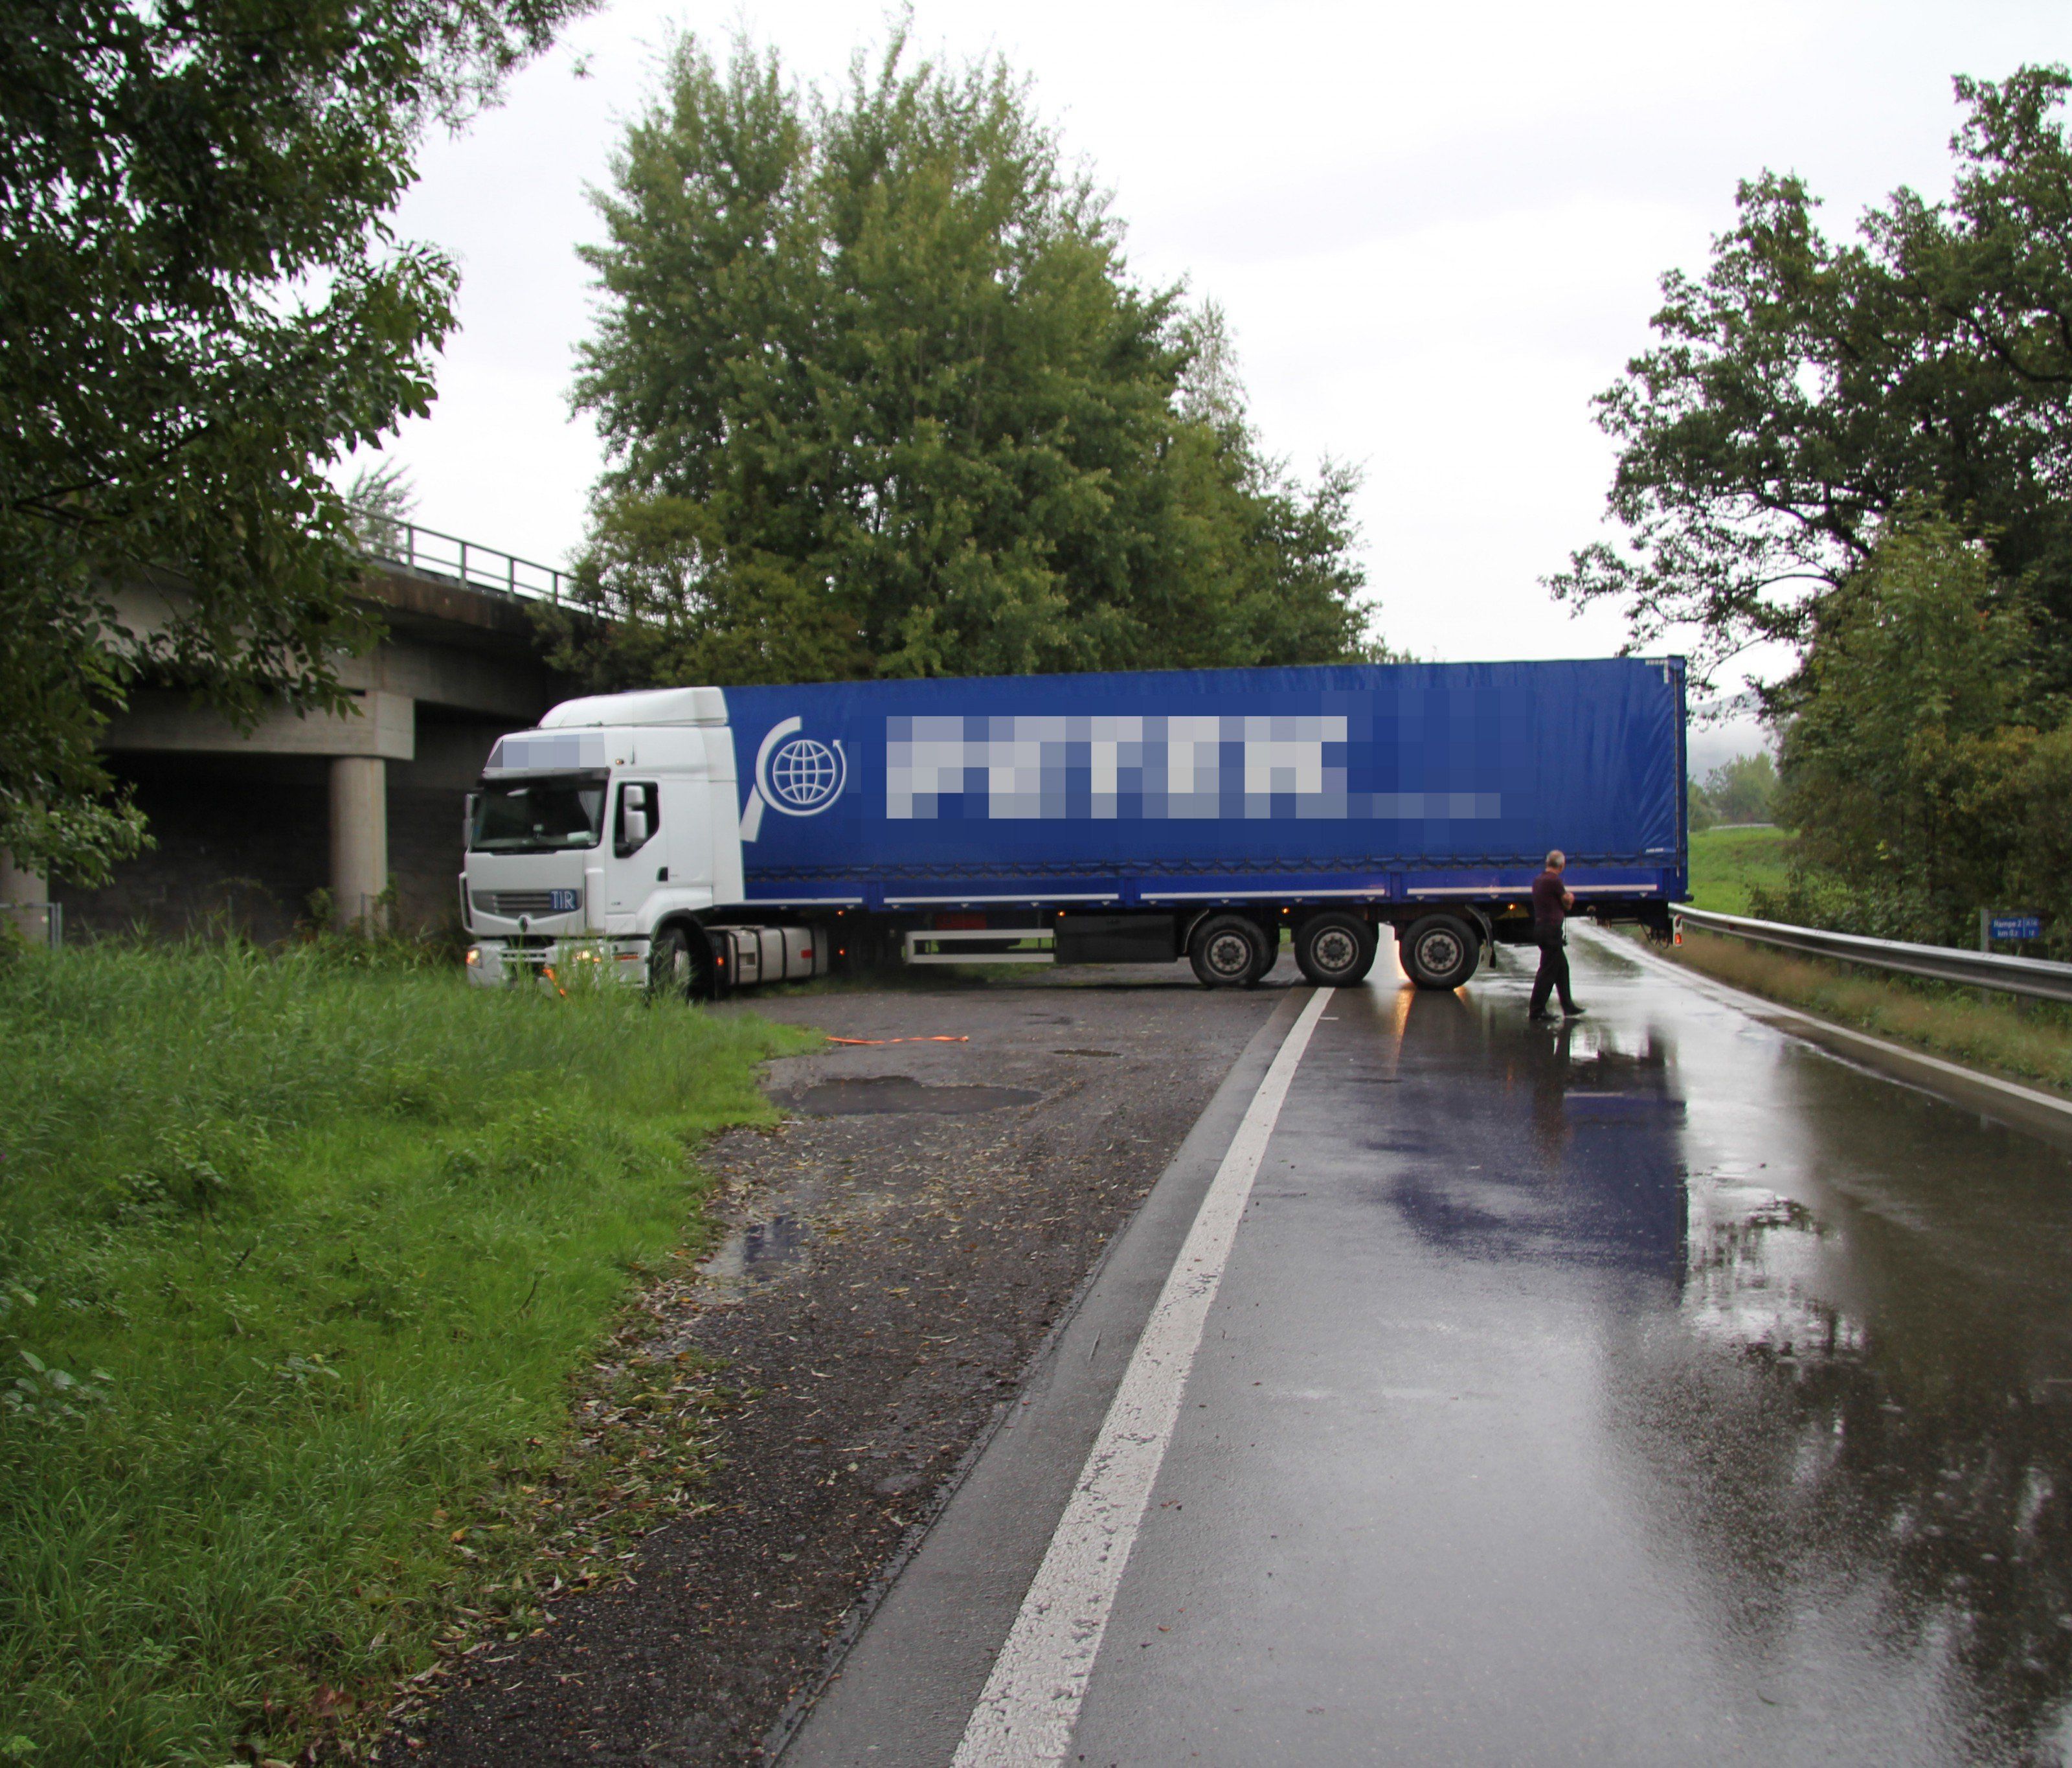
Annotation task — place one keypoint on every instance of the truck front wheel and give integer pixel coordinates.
(1441, 951)
(679, 965)
(1228, 951)
(1334, 949)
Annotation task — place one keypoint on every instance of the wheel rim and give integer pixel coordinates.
(671, 974)
(1440, 953)
(1229, 956)
(1334, 951)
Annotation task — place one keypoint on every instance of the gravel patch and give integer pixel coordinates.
(895, 1254)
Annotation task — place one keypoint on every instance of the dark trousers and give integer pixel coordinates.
(1553, 974)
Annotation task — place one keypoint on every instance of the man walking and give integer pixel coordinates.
(1551, 900)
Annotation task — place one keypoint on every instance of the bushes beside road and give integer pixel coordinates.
(296, 1261)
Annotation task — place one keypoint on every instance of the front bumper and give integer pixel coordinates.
(549, 963)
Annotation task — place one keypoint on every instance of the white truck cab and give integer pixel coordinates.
(610, 835)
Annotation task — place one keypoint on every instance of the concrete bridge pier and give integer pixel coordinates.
(358, 837)
(27, 897)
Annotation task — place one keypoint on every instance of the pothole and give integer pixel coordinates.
(887, 1093)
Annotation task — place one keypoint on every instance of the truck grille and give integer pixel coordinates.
(529, 902)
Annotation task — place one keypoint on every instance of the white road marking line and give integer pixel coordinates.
(1025, 1717)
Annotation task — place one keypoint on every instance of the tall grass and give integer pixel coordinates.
(295, 1261)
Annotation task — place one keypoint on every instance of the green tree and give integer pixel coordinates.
(1743, 790)
(1803, 391)
(879, 397)
(1699, 813)
(201, 307)
(381, 500)
(1907, 754)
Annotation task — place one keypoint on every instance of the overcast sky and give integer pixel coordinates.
(1436, 232)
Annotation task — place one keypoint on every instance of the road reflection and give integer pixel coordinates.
(1864, 1427)
(1837, 1322)
(1595, 1177)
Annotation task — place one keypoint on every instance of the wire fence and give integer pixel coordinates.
(43, 923)
(2040, 978)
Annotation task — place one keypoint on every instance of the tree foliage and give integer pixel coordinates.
(1925, 771)
(200, 306)
(1803, 391)
(1741, 790)
(880, 398)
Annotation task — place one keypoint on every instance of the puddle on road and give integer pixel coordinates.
(891, 1093)
(759, 1252)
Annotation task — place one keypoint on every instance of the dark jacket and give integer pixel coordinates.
(1550, 906)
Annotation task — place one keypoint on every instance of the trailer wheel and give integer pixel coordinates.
(1334, 949)
(1441, 951)
(1228, 951)
(679, 968)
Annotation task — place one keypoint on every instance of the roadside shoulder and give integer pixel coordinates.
(918, 1664)
(2029, 1107)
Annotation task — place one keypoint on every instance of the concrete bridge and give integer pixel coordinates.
(249, 826)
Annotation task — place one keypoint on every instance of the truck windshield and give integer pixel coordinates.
(542, 814)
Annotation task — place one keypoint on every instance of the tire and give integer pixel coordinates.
(678, 964)
(1229, 951)
(1334, 950)
(1441, 951)
(1269, 951)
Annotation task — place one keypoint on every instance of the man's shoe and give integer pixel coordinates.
(1538, 1018)
(1574, 1013)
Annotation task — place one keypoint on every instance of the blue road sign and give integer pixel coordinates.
(2017, 926)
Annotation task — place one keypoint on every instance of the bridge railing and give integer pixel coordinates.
(480, 567)
(2039, 978)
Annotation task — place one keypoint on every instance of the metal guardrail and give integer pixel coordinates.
(2038, 977)
(480, 567)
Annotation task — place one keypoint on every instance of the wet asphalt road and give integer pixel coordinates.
(1655, 1388)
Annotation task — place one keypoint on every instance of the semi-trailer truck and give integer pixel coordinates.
(698, 840)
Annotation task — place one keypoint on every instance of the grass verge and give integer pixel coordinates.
(2033, 1046)
(307, 1274)
(1727, 864)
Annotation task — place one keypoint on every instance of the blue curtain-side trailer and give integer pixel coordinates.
(1127, 816)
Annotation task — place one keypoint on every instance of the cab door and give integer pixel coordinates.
(639, 851)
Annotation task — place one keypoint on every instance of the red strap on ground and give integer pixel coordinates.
(936, 1039)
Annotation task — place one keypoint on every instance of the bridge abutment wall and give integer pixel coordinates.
(249, 825)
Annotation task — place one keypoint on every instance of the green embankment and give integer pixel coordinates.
(1726, 863)
(296, 1262)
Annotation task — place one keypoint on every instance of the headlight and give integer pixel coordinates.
(474, 954)
(586, 957)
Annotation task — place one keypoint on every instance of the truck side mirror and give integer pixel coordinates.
(637, 816)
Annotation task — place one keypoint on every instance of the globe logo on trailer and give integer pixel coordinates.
(796, 774)
(805, 775)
